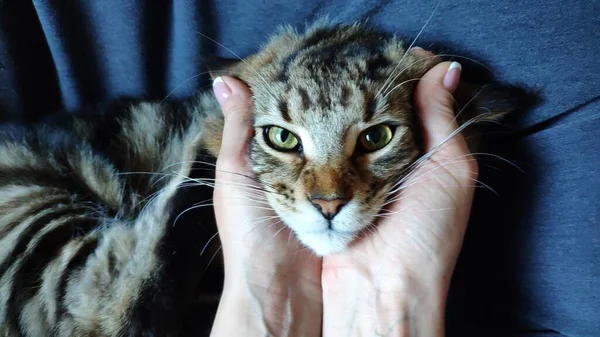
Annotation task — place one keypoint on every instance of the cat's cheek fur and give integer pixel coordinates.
(314, 232)
(309, 227)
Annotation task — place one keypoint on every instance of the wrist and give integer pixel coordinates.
(271, 304)
(369, 302)
(302, 275)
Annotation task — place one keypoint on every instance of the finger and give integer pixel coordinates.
(445, 146)
(434, 103)
(234, 98)
(236, 103)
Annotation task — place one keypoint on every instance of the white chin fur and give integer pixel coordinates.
(325, 242)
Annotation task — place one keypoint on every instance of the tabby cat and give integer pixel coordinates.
(88, 245)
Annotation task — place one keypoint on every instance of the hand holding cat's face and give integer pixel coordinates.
(421, 236)
(257, 246)
(336, 134)
(335, 130)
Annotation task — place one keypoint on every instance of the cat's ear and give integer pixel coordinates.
(479, 97)
(491, 102)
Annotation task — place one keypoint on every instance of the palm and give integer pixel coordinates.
(425, 225)
(416, 230)
(250, 227)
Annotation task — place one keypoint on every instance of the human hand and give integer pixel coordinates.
(272, 284)
(395, 279)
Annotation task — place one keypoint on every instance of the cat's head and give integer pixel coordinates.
(335, 127)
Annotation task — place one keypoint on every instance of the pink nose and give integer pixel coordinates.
(329, 207)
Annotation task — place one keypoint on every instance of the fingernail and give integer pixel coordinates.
(221, 90)
(452, 76)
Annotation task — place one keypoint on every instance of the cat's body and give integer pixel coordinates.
(85, 225)
(87, 205)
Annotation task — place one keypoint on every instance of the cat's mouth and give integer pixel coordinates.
(327, 236)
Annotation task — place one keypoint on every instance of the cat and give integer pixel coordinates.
(88, 244)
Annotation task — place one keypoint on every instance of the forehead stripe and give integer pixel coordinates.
(369, 104)
(284, 110)
(345, 97)
(304, 98)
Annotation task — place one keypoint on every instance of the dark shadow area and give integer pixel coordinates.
(28, 82)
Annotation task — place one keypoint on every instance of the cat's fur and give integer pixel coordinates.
(87, 243)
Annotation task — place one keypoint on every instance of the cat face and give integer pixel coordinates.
(335, 128)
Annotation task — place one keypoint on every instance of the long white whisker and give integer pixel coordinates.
(213, 257)
(182, 84)
(387, 82)
(208, 242)
(263, 79)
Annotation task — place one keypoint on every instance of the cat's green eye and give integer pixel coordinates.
(281, 139)
(376, 137)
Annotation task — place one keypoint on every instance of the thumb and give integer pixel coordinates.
(232, 170)
(236, 103)
(434, 102)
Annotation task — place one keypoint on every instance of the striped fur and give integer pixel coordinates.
(88, 240)
(83, 221)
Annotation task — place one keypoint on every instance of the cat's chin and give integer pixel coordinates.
(325, 242)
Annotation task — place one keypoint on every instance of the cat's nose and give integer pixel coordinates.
(329, 207)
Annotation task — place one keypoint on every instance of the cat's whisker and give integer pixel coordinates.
(150, 198)
(468, 59)
(409, 179)
(182, 84)
(208, 242)
(396, 198)
(262, 78)
(213, 257)
(391, 214)
(213, 165)
(412, 178)
(254, 226)
(211, 204)
(252, 179)
(143, 173)
(302, 250)
(249, 196)
(197, 168)
(277, 233)
(477, 184)
(244, 198)
(289, 237)
(386, 92)
(437, 147)
(389, 81)
(386, 95)
(458, 114)
(248, 190)
(481, 185)
(189, 209)
(263, 219)
(424, 59)
(486, 154)
(191, 162)
(418, 179)
(211, 182)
